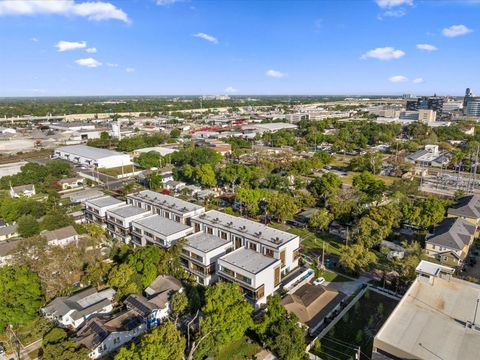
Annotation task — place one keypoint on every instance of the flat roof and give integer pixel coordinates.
(104, 201)
(429, 322)
(165, 201)
(205, 242)
(265, 234)
(161, 225)
(249, 260)
(89, 152)
(128, 211)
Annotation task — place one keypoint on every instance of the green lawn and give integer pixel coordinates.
(310, 241)
(331, 276)
(239, 350)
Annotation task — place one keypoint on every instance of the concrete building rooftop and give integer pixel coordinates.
(127, 211)
(104, 201)
(205, 242)
(165, 201)
(161, 225)
(249, 260)
(254, 230)
(430, 322)
(88, 152)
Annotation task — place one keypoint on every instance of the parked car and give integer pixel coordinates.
(319, 281)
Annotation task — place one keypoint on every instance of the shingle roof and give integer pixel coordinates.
(60, 234)
(453, 233)
(468, 206)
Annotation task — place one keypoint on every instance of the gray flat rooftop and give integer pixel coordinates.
(205, 242)
(161, 225)
(127, 211)
(104, 201)
(429, 322)
(249, 260)
(88, 152)
(254, 230)
(165, 201)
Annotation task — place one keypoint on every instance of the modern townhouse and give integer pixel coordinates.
(164, 205)
(252, 235)
(450, 241)
(258, 275)
(96, 209)
(119, 221)
(158, 230)
(200, 254)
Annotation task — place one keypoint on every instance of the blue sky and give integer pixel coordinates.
(163, 47)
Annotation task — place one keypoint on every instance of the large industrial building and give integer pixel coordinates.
(92, 157)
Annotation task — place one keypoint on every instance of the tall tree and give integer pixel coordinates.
(287, 338)
(281, 205)
(20, 295)
(226, 317)
(162, 343)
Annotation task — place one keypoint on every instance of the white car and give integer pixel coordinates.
(319, 281)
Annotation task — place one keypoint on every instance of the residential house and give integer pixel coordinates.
(467, 208)
(312, 304)
(102, 336)
(23, 190)
(303, 217)
(394, 250)
(430, 156)
(8, 232)
(72, 311)
(61, 237)
(7, 247)
(119, 221)
(96, 209)
(71, 183)
(450, 241)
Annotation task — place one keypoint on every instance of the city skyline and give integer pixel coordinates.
(164, 47)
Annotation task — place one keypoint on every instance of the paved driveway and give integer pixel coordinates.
(348, 287)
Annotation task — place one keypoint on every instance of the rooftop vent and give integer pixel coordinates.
(258, 234)
(243, 228)
(230, 223)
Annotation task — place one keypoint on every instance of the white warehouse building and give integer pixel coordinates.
(92, 157)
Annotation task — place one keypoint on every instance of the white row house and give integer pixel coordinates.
(158, 230)
(164, 205)
(119, 221)
(96, 209)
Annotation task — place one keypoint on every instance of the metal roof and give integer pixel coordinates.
(89, 152)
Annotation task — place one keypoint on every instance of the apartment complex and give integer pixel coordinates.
(218, 246)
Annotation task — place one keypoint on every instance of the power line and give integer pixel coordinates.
(361, 352)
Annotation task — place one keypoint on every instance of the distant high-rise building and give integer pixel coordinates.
(434, 103)
(471, 104)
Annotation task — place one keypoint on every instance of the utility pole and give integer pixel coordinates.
(323, 255)
(475, 314)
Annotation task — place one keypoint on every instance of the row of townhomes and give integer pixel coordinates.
(452, 239)
(218, 246)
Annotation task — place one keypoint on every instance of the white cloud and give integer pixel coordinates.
(385, 53)
(91, 50)
(34, 39)
(386, 4)
(167, 2)
(92, 10)
(426, 47)
(230, 90)
(111, 65)
(456, 30)
(88, 62)
(393, 13)
(130, 70)
(207, 37)
(275, 73)
(398, 78)
(70, 45)
(418, 80)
